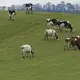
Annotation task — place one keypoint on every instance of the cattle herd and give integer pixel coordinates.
(72, 42)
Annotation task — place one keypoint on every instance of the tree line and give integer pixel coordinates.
(48, 7)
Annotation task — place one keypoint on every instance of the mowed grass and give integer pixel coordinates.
(51, 62)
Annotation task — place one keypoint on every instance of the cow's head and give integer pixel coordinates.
(48, 20)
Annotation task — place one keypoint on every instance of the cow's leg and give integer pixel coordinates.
(70, 27)
(27, 54)
(23, 55)
(66, 29)
(46, 36)
(32, 53)
(56, 35)
(68, 46)
(12, 16)
(31, 11)
(60, 28)
(26, 10)
(65, 46)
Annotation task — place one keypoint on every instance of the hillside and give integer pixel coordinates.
(50, 62)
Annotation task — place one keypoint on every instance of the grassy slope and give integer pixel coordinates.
(51, 61)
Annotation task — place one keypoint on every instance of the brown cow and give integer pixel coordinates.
(77, 41)
(72, 42)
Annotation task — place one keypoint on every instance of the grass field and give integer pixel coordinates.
(51, 62)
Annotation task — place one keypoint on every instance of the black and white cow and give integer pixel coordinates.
(11, 13)
(29, 8)
(61, 24)
(65, 24)
(52, 22)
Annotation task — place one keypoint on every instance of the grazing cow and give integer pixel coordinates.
(50, 32)
(26, 49)
(72, 42)
(62, 24)
(49, 22)
(11, 13)
(29, 8)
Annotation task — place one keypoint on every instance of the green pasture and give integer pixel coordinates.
(51, 62)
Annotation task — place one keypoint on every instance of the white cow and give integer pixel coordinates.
(26, 49)
(49, 23)
(50, 32)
